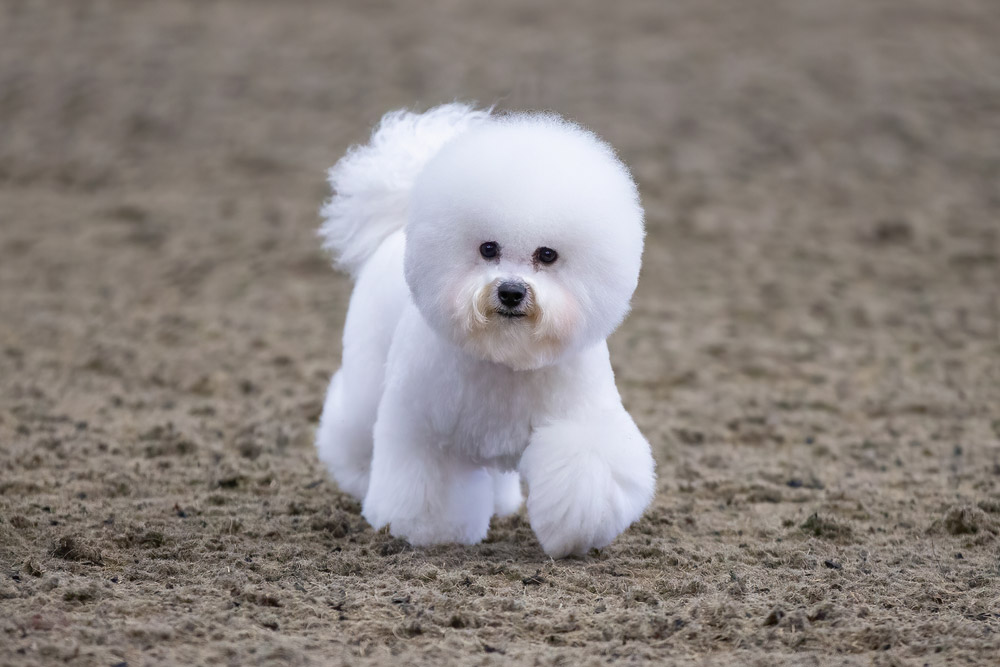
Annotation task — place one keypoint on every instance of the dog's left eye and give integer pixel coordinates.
(490, 249)
(546, 255)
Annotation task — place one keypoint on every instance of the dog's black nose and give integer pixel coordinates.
(511, 293)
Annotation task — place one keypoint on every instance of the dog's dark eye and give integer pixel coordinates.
(490, 249)
(546, 255)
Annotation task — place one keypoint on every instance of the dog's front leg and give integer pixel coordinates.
(422, 491)
(588, 478)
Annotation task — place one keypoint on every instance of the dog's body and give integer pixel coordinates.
(474, 351)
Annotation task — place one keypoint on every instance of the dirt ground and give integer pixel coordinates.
(814, 350)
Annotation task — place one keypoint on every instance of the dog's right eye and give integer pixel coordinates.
(490, 249)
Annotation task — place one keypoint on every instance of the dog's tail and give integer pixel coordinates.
(372, 183)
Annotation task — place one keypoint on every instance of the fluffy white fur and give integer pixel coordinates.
(446, 396)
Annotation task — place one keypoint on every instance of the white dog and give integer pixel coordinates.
(493, 255)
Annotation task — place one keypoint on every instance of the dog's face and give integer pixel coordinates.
(524, 241)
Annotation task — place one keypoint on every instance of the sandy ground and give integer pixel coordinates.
(814, 350)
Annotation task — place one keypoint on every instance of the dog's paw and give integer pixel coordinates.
(588, 480)
(448, 505)
(426, 531)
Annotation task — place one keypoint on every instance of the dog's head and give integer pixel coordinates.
(524, 240)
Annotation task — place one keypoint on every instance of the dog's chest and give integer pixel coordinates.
(495, 414)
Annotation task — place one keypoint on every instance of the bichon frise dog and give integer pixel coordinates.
(492, 255)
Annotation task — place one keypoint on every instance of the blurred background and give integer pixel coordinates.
(814, 349)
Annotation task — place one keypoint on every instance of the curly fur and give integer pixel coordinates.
(447, 396)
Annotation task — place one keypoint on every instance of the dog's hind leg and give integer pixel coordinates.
(344, 437)
(507, 496)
